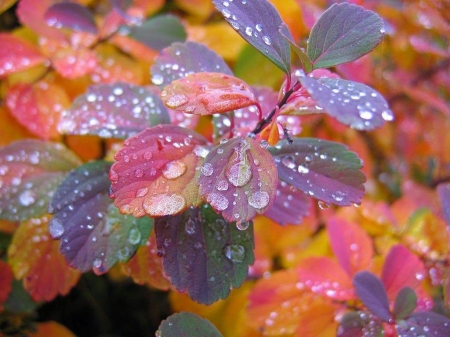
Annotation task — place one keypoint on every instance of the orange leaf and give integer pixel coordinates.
(5, 4)
(271, 134)
(73, 63)
(38, 107)
(10, 129)
(318, 320)
(6, 279)
(146, 266)
(17, 54)
(35, 257)
(51, 329)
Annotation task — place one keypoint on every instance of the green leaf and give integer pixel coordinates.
(343, 33)
(204, 255)
(307, 65)
(30, 171)
(94, 235)
(159, 32)
(186, 324)
(405, 303)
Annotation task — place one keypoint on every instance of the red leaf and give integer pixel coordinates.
(351, 245)
(239, 179)
(17, 54)
(6, 279)
(73, 62)
(401, 269)
(207, 93)
(146, 266)
(155, 171)
(38, 107)
(35, 257)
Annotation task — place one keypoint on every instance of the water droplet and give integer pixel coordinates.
(97, 263)
(157, 79)
(235, 25)
(134, 237)
(56, 228)
(174, 169)
(226, 13)
(264, 144)
(207, 169)
(189, 109)
(239, 174)
(267, 40)
(288, 161)
(189, 227)
(27, 198)
(177, 100)
(338, 196)
(218, 201)
(235, 253)
(167, 242)
(198, 245)
(141, 192)
(242, 225)
(323, 204)
(259, 199)
(387, 115)
(164, 204)
(302, 169)
(248, 31)
(365, 114)
(258, 27)
(222, 185)
(138, 173)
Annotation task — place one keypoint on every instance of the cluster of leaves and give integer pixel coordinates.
(182, 205)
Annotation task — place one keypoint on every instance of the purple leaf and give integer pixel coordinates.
(204, 254)
(443, 190)
(290, 205)
(405, 303)
(284, 31)
(258, 23)
(372, 293)
(324, 170)
(343, 33)
(351, 103)
(359, 324)
(30, 171)
(239, 179)
(426, 324)
(72, 16)
(182, 59)
(186, 324)
(94, 235)
(159, 32)
(117, 110)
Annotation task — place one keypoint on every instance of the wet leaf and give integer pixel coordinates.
(307, 65)
(93, 234)
(6, 280)
(427, 324)
(51, 329)
(443, 190)
(290, 205)
(318, 320)
(72, 16)
(351, 245)
(182, 59)
(372, 293)
(207, 94)
(38, 107)
(401, 269)
(145, 267)
(186, 324)
(30, 171)
(343, 33)
(239, 179)
(405, 303)
(113, 110)
(17, 54)
(358, 324)
(204, 254)
(159, 32)
(258, 22)
(155, 172)
(351, 103)
(324, 170)
(34, 257)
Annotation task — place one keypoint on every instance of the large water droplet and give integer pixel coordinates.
(259, 199)
(242, 225)
(56, 228)
(288, 161)
(248, 31)
(323, 204)
(157, 79)
(222, 185)
(302, 169)
(97, 263)
(190, 227)
(134, 237)
(176, 100)
(387, 115)
(207, 169)
(27, 198)
(174, 169)
(218, 201)
(235, 253)
(161, 205)
(239, 174)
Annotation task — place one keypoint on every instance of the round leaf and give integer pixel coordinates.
(405, 303)
(72, 16)
(427, 324)
(186, 324)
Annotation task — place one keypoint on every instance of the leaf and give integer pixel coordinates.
(443, 190)
(113, 110)
(207, 93)
(271, 134)
(34, 258)
(38, 107)
(358, 324)
(72, 16)
(93, 234)
(405, 303)
(6, 280)
(258, 22)
(318, 320)
(239, 179)
(51, 329)
(186, 324)
(155, 172)
(401, 269)
(30, 171)
(290, 205)
(307, 65)
(203, 254)
(343, 33)
(17, 54)
(372, 293)
(146, 266)
(427, 324)
(159, 32)
(6, 4)
(182, 59)
(351, 245)
(351, 103)
(324, 276)
(325, 170)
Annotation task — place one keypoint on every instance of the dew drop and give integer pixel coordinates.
(138, 173)
(365, 114)
(27, 198)
(157, 79)
(177, 100)
(242, 225)
(141, 192)
(248, 31)
(235, 25)
(338, 196)
(226, 13)
(387, 115)
(222, 185)
(134, 237)
(198, 245)
(207, 169)
(218, 201)
(323, 204)
(56, 228)
(239, 174)
(174, 169)
(258, 27)
(288, 161)
(97, 263)
(189, 227)
(264, 144)
(267, 40)
(259, 199)
(235, 253)
(302, 169)
(164, 204)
